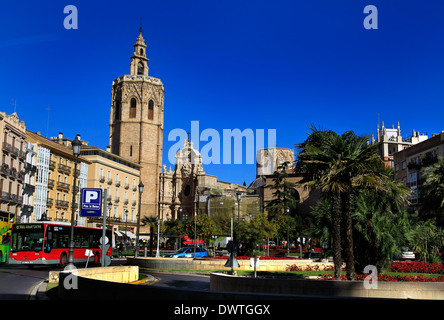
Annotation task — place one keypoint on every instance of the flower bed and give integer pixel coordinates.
(386, 277)
(404, 267)
(417, 267)
(248, 258)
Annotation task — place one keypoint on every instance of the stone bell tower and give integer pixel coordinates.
(136, 123)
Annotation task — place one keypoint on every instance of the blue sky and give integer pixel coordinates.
(228, 64)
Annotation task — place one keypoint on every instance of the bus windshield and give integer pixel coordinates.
(27, 237)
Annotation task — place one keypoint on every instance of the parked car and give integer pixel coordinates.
(188, 252)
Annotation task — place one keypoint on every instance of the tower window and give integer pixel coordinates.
(141, 52)
(140, 68)
(117, 110)
(133, 108)
(151, 110)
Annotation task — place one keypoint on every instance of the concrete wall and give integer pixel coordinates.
(355, 289)
(122, 274)
(216, 264)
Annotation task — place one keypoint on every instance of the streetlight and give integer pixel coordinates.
(136, 252)
(180, 228)
(76, 144)
(238, 195)
(125, 212)
(288, 231)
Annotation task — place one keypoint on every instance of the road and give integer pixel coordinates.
(17, 282)
(181, 281)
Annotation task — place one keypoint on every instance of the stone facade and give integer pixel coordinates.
(13, 157)
(188, 190)
(136, 124)
(268, 161)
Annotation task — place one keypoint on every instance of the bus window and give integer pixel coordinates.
(27, 237)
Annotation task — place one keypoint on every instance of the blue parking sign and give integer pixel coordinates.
(91, 202)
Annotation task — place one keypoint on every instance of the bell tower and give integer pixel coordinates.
(136, 123)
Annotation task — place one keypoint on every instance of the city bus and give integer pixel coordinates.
(47, 243)
(6, 219)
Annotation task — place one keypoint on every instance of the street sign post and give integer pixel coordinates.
(91, 202)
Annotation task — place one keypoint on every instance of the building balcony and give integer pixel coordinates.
(7, 147)
(64, 168)
(28, 188)
(26, 209)
(63, 186)
(62, 203)
(10, 197)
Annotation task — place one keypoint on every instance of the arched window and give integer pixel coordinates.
(117, 110)
(140, 68)
(133, 108)
(141, 51)
(151, 110)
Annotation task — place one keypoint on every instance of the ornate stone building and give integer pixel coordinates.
(188, 190)
(136, 124)
(268, 161)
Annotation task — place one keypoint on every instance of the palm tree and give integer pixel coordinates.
(432, 191)
(152, 222)
(337, 165)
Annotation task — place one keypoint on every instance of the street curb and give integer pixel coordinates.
(39, 291)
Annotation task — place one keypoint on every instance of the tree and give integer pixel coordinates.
(252, 233)
(432, 191)
(284, 193)
(426, 239)
(152, 223)
(337, 165)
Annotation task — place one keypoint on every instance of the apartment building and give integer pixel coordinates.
(12, 171)
(119, 179)
(53, 192)
(410, 163)
(389, 141)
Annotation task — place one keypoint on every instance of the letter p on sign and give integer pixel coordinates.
(91, 205)
(91, 195)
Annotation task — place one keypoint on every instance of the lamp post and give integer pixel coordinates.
(180, 228)
(76, 144)
(288, 231)
(125, 212)
(136, 252)
(238, 195)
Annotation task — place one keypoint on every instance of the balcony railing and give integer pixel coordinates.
(62, 203)
(64, 168)
(62, 185)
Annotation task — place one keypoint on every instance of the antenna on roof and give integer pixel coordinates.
(14, 104)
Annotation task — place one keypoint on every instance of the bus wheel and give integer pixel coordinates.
(97, 258)
(63, 260)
